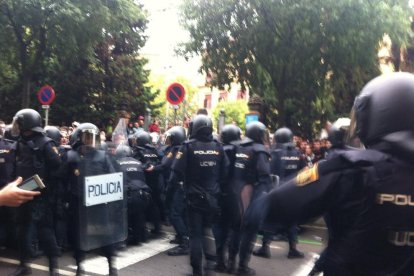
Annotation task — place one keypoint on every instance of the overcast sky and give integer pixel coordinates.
(164, 33)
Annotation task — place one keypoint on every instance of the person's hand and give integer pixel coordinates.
(12, 195)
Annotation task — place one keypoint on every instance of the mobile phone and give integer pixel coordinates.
(32, 184)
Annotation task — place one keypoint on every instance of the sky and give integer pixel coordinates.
(164, 34)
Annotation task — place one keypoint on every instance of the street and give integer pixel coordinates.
(151, 259)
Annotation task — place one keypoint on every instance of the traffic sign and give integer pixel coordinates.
(175, 93)
(46, 95)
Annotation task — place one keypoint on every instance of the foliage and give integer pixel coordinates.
(86, 49)
(307, 59)
(235, 112)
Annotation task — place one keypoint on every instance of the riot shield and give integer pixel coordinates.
(103, 211)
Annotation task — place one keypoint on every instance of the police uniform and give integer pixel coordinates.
(149, 156)
(138, 196)
(251, 179)
(200, 164)
(37, 155)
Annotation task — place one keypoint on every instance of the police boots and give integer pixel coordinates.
(182, 249)
(23, 269)
(263, 251)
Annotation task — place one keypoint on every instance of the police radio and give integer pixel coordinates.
(33, 183)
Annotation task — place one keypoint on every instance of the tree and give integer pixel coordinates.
(307, 59)
(235, 113)
(86, 49)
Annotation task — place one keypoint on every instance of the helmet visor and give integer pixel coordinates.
(89, 137)
(352, 138)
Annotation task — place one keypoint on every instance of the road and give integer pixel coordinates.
(151, 259)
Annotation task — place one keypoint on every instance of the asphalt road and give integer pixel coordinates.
(151, 259)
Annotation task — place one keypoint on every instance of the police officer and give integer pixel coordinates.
(84, 160)
(200, 164)
(149, 156)
(137, 193)
(35, 154)
(7, 157)
(285, 162)
(175, 195)
(251, 178)
(366, 193)
(58, 194)
(228, 222)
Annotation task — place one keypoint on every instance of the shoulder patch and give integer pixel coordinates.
(55, 150)
(169, 155)
(307, 176)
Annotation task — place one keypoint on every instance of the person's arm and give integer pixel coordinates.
(11, 195)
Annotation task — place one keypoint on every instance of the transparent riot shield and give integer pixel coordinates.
(103, 211)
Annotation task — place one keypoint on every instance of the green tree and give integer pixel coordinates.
(86, 49)
(235, 112)
(307, 58)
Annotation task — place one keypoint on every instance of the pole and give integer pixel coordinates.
(46, 108)
(176, 107)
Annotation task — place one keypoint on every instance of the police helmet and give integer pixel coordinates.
(142, 138)
(53, 133)
(175, 136)
(337, 136)
(384, 107)
(202, 125)
(257, 132)
(283, 136)
(26, 120)
(86, 134)
(230, 133)
(123, 151)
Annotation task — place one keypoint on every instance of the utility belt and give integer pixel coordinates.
(141, 193)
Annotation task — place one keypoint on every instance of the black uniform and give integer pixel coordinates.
(37, 155)
(149, 156)
(138, 196)
(251, 179)
(200, 164)
(7, 157)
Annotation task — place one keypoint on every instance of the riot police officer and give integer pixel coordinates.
(35, 154)
(149, 156)
(175, 196)
(83, 160)
(285, 162)
(366, 193)
(200, 165)
(137, 193)
(251, 178)
(227, 223)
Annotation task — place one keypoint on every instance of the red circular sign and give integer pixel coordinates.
(46, 95)
(175, 93)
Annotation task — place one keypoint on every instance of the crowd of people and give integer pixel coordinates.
(236, 184)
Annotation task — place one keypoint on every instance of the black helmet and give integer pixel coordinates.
(230, 133)
(337, 137)
(25, 120)
(202, 125)
(142, 138)
(53, 133)
(175, 136)
(257, 132)
(123, 151)
(384, 107)
(86, 134)
(8, 133)
(283, 136)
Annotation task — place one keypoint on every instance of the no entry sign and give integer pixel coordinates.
(46, 95)
(175, 93)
